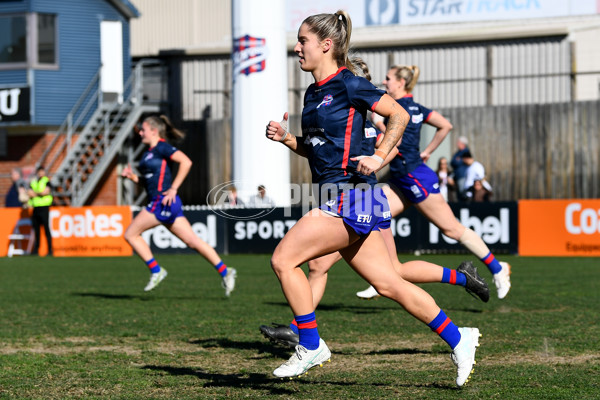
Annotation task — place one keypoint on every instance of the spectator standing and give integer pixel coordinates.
(40, 198)
(475, 172)
(459, 168)
(445, 180)
(17, 194)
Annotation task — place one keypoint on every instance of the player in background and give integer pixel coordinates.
(165, 205)
(414, 183)
(351, 211)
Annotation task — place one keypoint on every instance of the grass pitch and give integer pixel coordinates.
(84, 328)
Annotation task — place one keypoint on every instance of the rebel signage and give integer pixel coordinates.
(14, 105)
(244, 231)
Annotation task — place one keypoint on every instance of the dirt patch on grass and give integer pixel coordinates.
(417, 353)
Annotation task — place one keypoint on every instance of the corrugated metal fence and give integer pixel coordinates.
(503, 72)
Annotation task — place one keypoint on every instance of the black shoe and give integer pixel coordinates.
(476, 285)
(280, 334)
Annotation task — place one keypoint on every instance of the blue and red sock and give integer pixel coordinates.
(443, 326)
(492, 264)
(153, 265)
(307, 331)
(294, 326)
(221, 268)
(454, 277)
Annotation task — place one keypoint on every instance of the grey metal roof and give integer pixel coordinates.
(126, 8)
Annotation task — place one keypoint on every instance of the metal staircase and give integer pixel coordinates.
(85, 161)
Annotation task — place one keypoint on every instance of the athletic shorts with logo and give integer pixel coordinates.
(166, 214)
(417, 185)
(362, 209)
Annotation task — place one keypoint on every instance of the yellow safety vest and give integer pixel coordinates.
(38, 186)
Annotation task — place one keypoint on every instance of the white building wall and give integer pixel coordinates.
(167, 25)
(587, 53)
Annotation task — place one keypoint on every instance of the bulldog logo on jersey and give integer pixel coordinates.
(249, 55)
(370, 133)
(326, 100)
(417, 118)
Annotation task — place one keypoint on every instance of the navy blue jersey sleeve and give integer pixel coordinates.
(426, 112)
(362, 94)
(165, 150)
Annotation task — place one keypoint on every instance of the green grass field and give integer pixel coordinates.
(83, 328)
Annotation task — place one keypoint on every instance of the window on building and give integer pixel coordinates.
(28, 41)
(13, 39)
(46, 40)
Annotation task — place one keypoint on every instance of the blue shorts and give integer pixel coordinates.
(417, 185)
(363, 209)
(166, 214)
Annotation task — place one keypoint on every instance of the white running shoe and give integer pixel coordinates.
(368, 294)
(155, 279)
(502, 280)
(303, 360)
(463, 355)
(228, 282)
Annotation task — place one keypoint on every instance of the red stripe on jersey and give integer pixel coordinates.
(330, 77)
(160, 140)
(161, 177)
(347, 139)
(429, 116)
(341, 202)
(374, 105)
(154, 204)
(452, 277)
(419, 184)
(441, 328)
(308, 325)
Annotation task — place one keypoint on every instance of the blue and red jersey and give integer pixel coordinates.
(333, 125)
(154, 169)
(409, 155)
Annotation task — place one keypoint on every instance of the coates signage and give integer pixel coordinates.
(559, 227)
(14, 105)
(90, 231)
(249, 55)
